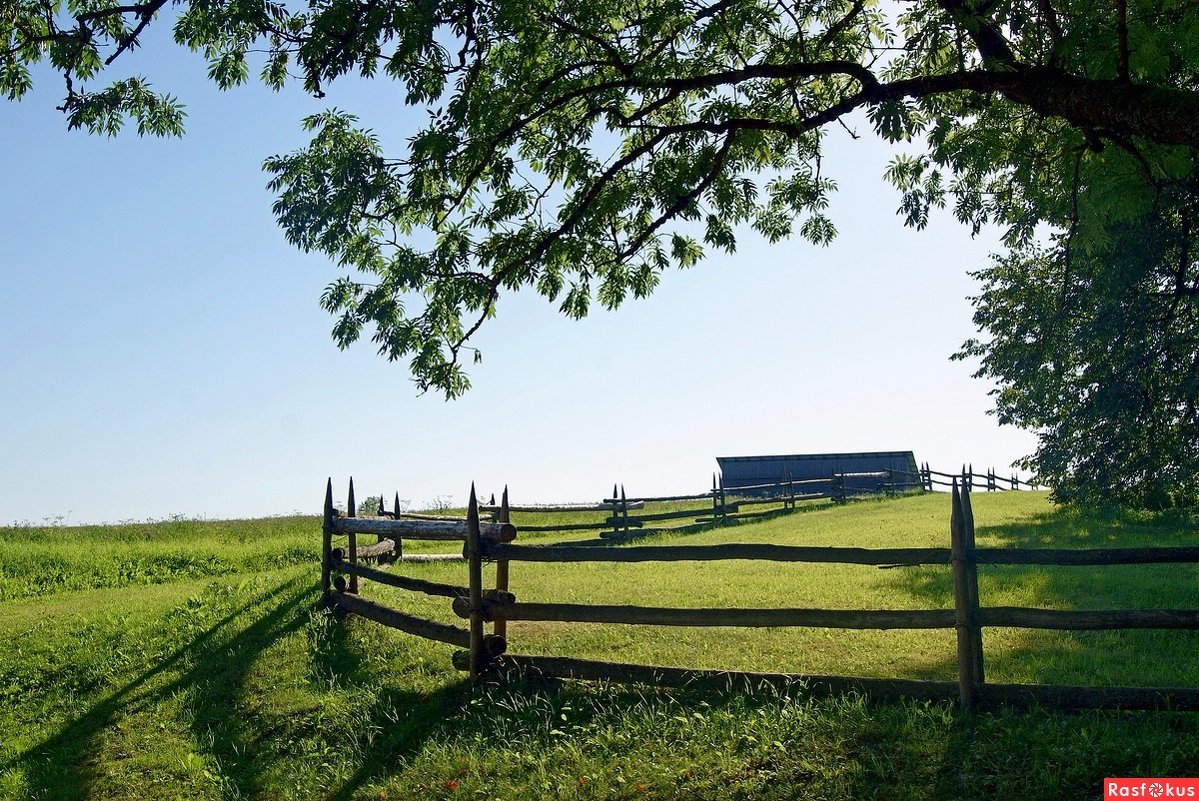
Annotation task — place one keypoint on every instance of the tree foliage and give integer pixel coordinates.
(582, 148)
(1098, 352)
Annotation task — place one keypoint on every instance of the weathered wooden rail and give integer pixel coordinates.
(485, 654)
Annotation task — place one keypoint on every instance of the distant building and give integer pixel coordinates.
(864, 472)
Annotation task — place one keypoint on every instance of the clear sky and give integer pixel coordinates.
(164, 352)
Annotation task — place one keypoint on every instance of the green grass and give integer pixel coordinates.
(188, 660)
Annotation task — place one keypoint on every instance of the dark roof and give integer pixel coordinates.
(747, 470)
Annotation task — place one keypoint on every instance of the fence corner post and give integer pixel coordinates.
(499, 626)
(976, 632)
(327, 543)
(352, 546)
(965, 599)
(474, 557)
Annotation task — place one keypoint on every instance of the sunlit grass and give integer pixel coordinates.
(189, 660)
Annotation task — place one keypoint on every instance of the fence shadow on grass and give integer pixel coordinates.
(211, 668)
(402, 719)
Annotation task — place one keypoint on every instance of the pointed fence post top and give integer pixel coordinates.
(396, 508)
(329, 501)
(472, 511)
(351, 508)
(382, 508)
(955, 515)
(967, 514)
(505, 512)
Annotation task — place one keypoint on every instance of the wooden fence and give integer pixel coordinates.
(718, 505)
(626, 517)
(485, 654)
(991, 481)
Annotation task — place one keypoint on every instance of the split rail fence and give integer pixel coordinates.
(719, 505)
(724, 504)
(486, 653)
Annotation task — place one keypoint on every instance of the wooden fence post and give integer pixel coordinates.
(615, 508)
(839, 486)
(473, 551)
(351, 511)
(500, 625)
(715, 500)
(327, 542)
(976, 632)
(890, 487)
(964, 615)
(624, 512)
(398, 554)
(724, 503)
(382, 512)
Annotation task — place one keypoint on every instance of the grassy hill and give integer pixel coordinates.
(188, 659)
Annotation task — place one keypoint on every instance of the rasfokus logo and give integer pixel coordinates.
(1151, 788)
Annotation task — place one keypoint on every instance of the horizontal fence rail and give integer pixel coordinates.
(753, 618)
(535, 508)
(1087, 556)
(486, 654)
(393, 580)
(714, 553)
(403, 621)
(1072, 620)
(444, 530)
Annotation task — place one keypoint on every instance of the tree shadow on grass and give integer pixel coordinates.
(211, 668)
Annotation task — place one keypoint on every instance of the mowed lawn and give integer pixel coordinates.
(189, 659)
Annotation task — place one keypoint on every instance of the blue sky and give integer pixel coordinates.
(164, 351)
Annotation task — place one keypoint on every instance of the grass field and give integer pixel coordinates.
(189, 660)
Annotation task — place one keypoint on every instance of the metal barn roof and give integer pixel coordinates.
(741, 471)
